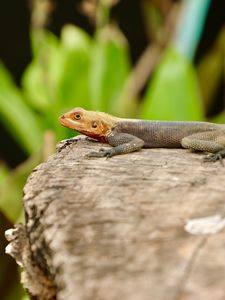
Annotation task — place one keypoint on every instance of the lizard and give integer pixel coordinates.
(128, 135)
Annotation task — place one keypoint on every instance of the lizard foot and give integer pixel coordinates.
(102, 153)
(215, 156)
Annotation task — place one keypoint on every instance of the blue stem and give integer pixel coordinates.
(190, 26)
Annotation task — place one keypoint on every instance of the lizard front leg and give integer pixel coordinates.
(122, 143)
(209, 141)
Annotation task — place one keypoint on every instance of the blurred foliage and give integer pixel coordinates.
(16, 178)
(17, 117)
(9, 275)
(210, 70)
(94, 73)
(177, 76)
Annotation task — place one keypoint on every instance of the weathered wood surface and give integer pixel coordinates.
(110, 229)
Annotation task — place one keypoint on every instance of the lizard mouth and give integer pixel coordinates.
(67, 122)
(63, 120)
(72, 124)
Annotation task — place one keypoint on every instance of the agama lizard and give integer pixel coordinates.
(128, 135)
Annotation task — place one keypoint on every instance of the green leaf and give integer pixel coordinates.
(173, 93)
(16, 116)
(11, 198)
(73, 84)
(219, 118)
(210, 70)
(25, 297)
(109, 70)
(3, 171)
(40, 80)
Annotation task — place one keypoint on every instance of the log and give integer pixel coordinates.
(140, 226)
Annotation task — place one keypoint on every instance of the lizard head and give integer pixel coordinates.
(91, 123)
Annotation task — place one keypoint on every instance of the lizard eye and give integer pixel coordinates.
(94, 124)
(77, 116)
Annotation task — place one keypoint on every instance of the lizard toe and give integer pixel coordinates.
(213, 158)
(101, 153)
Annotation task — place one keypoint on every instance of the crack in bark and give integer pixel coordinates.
(189, 267)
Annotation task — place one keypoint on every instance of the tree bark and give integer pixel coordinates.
(109, 229)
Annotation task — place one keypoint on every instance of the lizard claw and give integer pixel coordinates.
(101, 153)
(214, 157)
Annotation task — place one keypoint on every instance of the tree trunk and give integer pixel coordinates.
(123, 227)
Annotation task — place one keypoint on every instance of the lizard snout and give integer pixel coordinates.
(62, 120)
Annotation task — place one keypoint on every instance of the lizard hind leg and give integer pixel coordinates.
(209, 141)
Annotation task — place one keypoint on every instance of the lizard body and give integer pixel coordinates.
(128, 135)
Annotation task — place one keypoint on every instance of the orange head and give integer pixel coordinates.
(91, 123)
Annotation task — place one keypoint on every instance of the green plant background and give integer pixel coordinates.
(92, 72)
